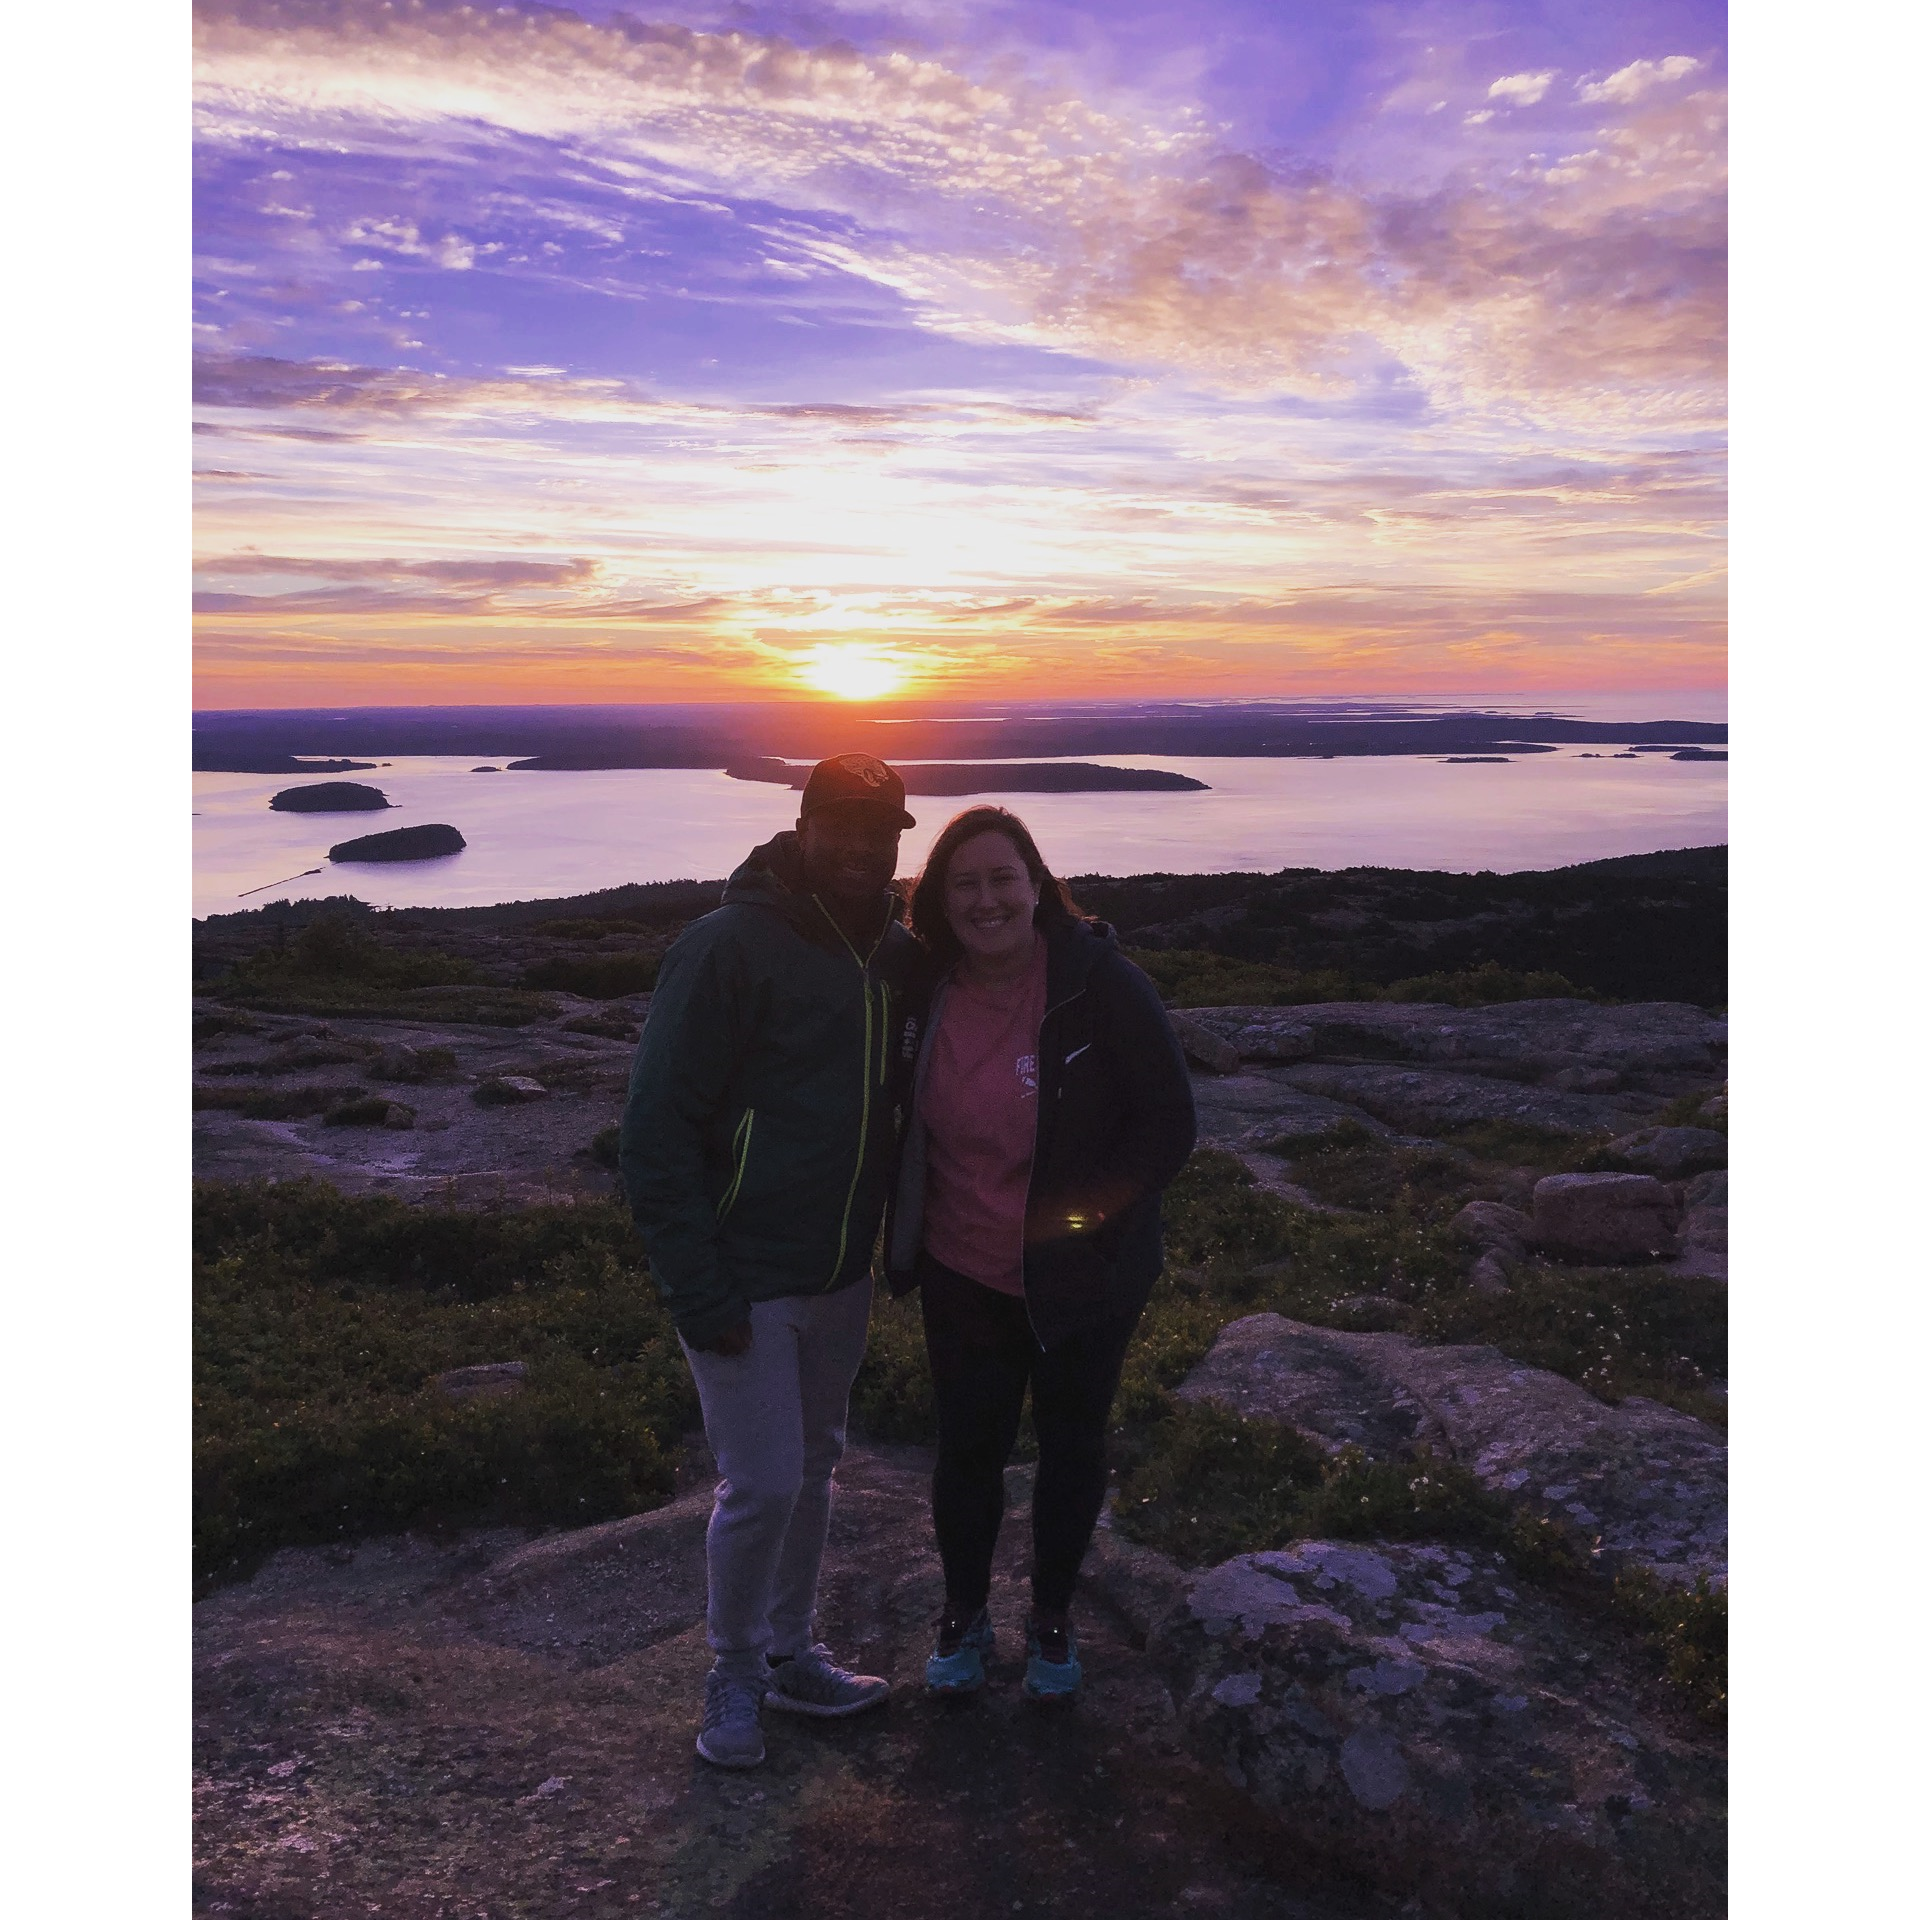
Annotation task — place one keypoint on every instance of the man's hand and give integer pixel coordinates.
(731, 1343)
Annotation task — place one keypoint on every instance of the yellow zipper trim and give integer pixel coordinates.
(866, 1076)
(742, 1141)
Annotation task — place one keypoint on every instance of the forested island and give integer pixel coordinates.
(996, 776)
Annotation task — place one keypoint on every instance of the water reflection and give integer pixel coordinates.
(539, 835)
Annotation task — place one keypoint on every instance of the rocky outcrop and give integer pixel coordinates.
(1640, 1481)
(432, 842)
(1537, 1036)
(1670, 1153)
(1417, 1714)
(509, 1089)
(330, 796)
(1427, 1101)
(1203, 1048)
(1604, 1219)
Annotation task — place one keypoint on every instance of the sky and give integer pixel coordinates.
(956, 349)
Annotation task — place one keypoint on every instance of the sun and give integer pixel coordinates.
(851, 670)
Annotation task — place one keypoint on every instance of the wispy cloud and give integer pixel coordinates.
(1523, 89)
(1634, 82)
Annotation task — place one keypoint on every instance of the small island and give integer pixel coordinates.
(995, 776)
(1700, 753)
(483, 769)
(1477, 760)
(403, 843)
(330, 796)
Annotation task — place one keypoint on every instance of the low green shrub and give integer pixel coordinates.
(1617, 1331)
(576, 929)
(1516, 1144)
(1431, 1183)
(594, 976)
(1486, 985)
(1195, 977)
(893, 1391)
(320, 1320)
(1685, 1112)
(605, 1147)
(1688, 1625)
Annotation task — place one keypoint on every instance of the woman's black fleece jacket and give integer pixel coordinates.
(1115, 1124)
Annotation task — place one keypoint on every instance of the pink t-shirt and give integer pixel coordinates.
(978, 1102)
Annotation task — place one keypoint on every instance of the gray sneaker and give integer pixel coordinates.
(811, 1683)
(730, 1726)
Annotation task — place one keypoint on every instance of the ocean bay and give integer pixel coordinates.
(535, 835)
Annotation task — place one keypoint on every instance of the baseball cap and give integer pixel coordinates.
(855, 776)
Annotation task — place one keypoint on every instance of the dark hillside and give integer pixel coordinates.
(1652, 927)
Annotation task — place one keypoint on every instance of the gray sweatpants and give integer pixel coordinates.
(776, 1419)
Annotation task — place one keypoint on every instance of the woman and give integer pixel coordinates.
(1049, 1106)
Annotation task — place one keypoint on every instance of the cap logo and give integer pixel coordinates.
(873, 772)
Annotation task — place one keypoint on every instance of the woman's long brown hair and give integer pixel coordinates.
(927, 904)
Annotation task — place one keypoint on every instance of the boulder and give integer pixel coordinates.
(508, 1089)
(1715, 1108)
(1446, 1733)
(1641, 1481)
(1203, 1048)
(1708, 1189)
(1603, 1219)
(330, 796)
(1492, 1271)
(1255, 1109)
(432, 842)
(1669, 1152)
(496, 1380)
(1486, 1223)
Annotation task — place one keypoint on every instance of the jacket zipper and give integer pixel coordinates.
(742, 1142)
(866, 1072)
(1025, 1298)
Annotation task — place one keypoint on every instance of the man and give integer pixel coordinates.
(757, 1148)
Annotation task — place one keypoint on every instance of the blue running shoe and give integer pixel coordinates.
(1053, 1666)
(958, 1662)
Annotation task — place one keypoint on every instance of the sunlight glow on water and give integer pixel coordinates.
(544, 835)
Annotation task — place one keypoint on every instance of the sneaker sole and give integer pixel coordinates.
(739, 1765)
(783, 1703)
(955, 1689)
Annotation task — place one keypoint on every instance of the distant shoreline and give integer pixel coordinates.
(951, 778)
(596, 739)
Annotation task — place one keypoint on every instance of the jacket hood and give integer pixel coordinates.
(771, 876)
(1074, 949)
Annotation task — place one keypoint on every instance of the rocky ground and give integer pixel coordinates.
(501, 1724)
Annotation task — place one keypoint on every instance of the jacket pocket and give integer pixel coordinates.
(742, 1145)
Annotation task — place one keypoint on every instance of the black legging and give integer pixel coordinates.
(982, 1353)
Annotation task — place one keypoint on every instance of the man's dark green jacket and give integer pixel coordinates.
(758, 1141)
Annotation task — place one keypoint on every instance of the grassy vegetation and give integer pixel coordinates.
(594, 976)
(321, 1319)
(1196, 977)
(276, 1103)
(336, 964)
